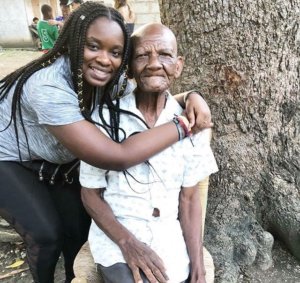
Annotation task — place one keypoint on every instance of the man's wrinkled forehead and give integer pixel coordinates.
(157, 42)
(155, 35)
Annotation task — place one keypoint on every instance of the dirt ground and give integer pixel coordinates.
(11, 59)
(285, 269)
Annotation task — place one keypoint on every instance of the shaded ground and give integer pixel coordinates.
(285, 269)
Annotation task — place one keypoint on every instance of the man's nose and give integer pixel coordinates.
(154, 61)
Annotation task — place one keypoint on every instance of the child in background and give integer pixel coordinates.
(34, 33)
(47, 33)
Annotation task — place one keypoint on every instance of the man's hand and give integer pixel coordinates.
(197, 112)
(140, 257)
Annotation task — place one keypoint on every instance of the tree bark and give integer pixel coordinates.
(244, 58)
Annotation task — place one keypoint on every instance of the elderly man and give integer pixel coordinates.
(147, 220)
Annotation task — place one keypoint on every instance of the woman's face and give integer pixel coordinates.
(103, 51)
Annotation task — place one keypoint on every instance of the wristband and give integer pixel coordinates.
(187, 132)
(182, 128)
(186, 96)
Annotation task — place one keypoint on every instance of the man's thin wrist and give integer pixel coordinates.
(186, 96)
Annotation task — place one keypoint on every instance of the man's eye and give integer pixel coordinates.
(144, 55)
(166, 55)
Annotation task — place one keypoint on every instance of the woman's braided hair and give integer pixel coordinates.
(71, 41)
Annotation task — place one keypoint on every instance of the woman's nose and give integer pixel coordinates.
(103, 58)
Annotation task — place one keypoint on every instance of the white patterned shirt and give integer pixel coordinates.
(157, 186)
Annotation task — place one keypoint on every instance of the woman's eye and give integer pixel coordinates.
(117, 53)
(92, 46)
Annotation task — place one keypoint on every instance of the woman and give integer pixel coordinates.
(126, 11)
(45, 125)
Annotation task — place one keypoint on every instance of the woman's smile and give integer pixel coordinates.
(100, 74)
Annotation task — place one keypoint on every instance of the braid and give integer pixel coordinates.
(114, 111)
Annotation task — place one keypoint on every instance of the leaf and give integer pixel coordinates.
(17, 263)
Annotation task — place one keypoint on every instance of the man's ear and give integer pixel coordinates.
(179, 67)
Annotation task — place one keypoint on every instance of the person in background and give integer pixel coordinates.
(34, 33)
(147, 219)
(126, 11)
(34, 23)
(65, 9)
(46, 126)
(75, 4)
(47, 33)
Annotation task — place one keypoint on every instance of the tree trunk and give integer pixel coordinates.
(244, 58)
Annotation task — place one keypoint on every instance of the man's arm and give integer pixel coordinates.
(191, 224)
(196, 110)
(137, 254)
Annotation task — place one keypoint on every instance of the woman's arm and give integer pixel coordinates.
(196, 110)
(137, 254)
(89, 144)
(191, 224)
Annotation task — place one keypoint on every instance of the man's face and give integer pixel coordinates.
(103, 51)
(154, 62)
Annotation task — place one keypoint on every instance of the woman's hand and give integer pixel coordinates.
(197, 112)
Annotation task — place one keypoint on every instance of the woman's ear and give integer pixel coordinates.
(179, 67)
